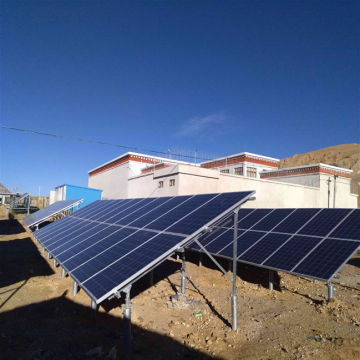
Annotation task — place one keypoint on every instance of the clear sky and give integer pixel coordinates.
(270, 77)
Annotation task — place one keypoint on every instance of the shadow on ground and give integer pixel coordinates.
(61, 329)
(10, 227)
(248, 273)
(354, 262)
(20, 260)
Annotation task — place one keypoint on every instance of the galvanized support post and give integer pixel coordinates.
(183, 276)
(55, 263)
(48, 255)
(330, 290)
(151, 277)
(94, 306)
(271, 280)
(234, 294)
(177, 256)
(63, 272)
(314, 281)
(200, 259)
(75, 288)
(43, 248)
(127, 326)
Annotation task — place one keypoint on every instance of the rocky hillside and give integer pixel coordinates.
(346, 156)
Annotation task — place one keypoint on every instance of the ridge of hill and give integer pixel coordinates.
(346, 156)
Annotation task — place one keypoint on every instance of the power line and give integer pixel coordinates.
(93, 141)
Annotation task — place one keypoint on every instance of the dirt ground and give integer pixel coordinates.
(41, 319)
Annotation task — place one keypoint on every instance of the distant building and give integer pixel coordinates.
(6, 196)
(133, 175)
(72, 192)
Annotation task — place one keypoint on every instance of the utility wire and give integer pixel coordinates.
(93, 141)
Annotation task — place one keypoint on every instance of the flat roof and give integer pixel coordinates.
(161, 159)
(309, 166)
(241, 154)
(81, 187)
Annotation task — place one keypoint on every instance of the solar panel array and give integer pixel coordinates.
(314, 243)
(48, 212)
(110, 243)
(16, 200)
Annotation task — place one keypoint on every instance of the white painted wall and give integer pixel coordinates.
(52, 197)
(113, 182)
(306, 180)
(190, 180)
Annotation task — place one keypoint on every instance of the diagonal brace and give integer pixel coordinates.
(212, 258)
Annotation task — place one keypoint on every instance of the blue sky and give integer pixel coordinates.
(270, 77)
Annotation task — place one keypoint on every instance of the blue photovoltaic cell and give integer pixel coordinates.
(159, 211)
(57, 226)
(292, 252)
(324, 222)
(349, 228)
(209, 238)
(327, 258)
(179, 212)
(207, 212)
(93, 246)
(270, 221)
(131, 264)
(75, 225)
(118, 213)
(146, 207)
(66, 240)
(245, 240)
(253, 218)
(46, 212)
(223, 241)
(264, 248)
(101, 261)
(296, 220)
(99, 206)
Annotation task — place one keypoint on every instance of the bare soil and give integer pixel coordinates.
(41, 319)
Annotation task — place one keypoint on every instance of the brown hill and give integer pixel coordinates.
(346, 156)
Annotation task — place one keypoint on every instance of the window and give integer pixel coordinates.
(161, 184)
(225, 171)
(239, 171)
(251, 172)
(172, 182)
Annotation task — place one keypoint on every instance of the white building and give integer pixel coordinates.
(135, 175)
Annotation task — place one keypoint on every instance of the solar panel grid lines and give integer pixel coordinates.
(323, 222)
(274, 218)
(138, 247)
(292, 235)
(73, 219)
(292, 270)
(324, 267)
(87, 221)
(250, 229)
(102, 238)
(144, 228)
(350, 229)
(49, 211)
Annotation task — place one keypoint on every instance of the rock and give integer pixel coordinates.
(95, 352)
(140, 319)
(112, 354)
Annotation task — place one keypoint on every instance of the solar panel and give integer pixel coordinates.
(106, 251)
(16, 200)
(49, 211)
(309, 242)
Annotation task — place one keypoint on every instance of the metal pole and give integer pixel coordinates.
(63, 272)
(48, 255)
(43, 248)
(328, 182)
(151, 277)
(200, 259)
(335, 176)
(183, 277)
(55, 263)
(94, 306)
(330, 290)
(127, 327)
(75, 288)
(234, 295)
(271, 280)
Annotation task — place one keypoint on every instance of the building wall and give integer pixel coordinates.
(306, 180)
(191, 180)
(113, 182)
(78, 192)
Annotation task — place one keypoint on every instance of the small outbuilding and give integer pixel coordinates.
(70, 192)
